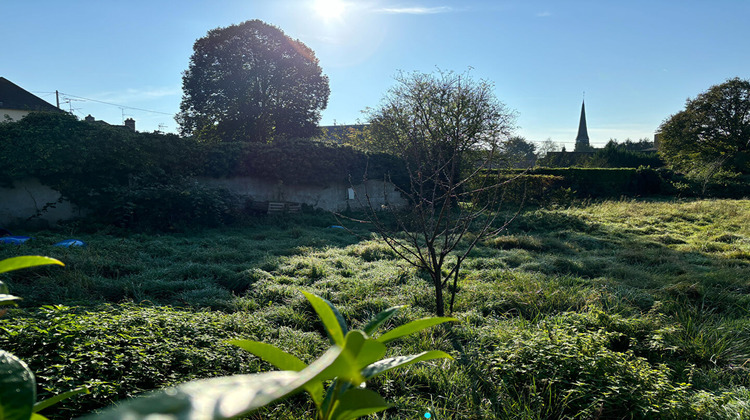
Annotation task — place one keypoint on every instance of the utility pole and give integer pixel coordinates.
(57, 96)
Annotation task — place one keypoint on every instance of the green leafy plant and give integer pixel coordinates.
(354, 357)
(17, 382)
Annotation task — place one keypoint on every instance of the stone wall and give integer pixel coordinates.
(333, 197)
(28, 197)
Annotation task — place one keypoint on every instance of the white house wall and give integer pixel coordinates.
(14, 114)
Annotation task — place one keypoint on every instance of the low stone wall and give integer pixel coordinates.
(29, 197)
(334, 197)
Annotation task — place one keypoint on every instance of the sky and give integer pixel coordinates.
(637, 61)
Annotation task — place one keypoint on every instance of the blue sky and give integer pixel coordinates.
(636, 60)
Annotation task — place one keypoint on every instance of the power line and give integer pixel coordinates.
(117, 105)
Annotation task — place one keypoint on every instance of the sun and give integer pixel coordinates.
(330, 9)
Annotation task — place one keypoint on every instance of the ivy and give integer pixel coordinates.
(130, 178)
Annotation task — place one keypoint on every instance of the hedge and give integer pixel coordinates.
(131, 178)
(542, 185)
(300, 161)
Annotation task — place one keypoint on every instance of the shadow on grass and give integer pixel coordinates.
(200, 268)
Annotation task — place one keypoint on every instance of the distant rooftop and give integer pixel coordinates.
(15, 97)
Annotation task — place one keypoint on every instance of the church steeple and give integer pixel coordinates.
(582, 139)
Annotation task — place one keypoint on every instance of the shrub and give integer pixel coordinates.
(354, 357)
(300, 161)
(167, 205)
(564, 370)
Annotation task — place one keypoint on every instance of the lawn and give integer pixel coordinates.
(614, 309)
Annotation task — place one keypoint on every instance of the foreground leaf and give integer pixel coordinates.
(332, 320)
(380, 319)
(413, 327)
(283, 361)
(371, 351)
(271, 354)
(357, 402)
(41, 405)
(6, 299)
(391, 363)
(17, 388)
(17, 263)
(222, 398)
(345, 366)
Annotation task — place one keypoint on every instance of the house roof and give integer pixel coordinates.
(13, 96)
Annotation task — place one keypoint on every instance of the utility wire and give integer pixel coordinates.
(117, 105)
(113, 104)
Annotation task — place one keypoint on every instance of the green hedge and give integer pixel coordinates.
(599, 182)
(524, 188)
(300, 161)
(611, 156)
(544, 185)
(130, 178)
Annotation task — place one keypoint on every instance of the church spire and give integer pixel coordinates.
(582, 140)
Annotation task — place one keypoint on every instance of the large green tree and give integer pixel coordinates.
(712, 133)
(251, 82)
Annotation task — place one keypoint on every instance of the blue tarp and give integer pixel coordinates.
(70, 242)
(15, 240)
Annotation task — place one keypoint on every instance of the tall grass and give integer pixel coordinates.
(616, 309)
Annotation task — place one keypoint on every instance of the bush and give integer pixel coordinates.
(120, 351)
(612, 156)
(567, 371)
(545, 185)
(167, 206)
(79, 158)
(300, 161)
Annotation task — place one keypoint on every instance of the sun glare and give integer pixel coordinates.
(330, 9)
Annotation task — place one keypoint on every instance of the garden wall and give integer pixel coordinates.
(332, 197)
(29, 197)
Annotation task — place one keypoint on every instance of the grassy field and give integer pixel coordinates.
(618, 309)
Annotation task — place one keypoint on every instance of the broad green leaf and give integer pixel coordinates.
(357, 402)
(283, 361)
(346, 367)
(3, 288)
(17, 263)
(41, 405)
(37, 416)
(17, 388)
(413, 327)
(271, 354)
(387, 364)
(8, 299)
(380, 319)
(221, 398)
(328, 400)
(332, 320)
(372, 350)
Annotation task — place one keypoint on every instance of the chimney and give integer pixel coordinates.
(130, 123)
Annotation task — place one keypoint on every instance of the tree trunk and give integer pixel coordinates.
(439, 305)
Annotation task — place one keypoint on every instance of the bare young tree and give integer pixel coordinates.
(447, 128)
